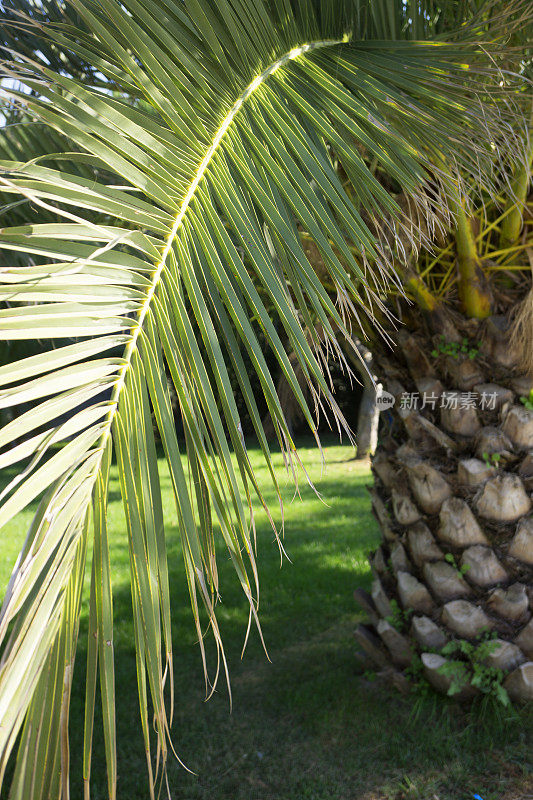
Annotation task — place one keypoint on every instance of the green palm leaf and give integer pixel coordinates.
(223, 144)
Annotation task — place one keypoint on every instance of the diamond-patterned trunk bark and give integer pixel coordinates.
(453, 498)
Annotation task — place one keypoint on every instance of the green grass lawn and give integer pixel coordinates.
(308, 725)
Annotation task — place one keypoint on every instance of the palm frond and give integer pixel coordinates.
(225, 141)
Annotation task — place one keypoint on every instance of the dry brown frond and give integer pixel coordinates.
(522, 332)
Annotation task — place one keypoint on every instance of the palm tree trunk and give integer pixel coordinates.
(367, 423)
(453, 480)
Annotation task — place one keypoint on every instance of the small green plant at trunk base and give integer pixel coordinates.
(456, 349)
(471, 668)
(528, 401)
(415, 673)
(399, 617)
(492, 460)
(461, 568)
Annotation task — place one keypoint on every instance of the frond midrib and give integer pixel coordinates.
(130, 349)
